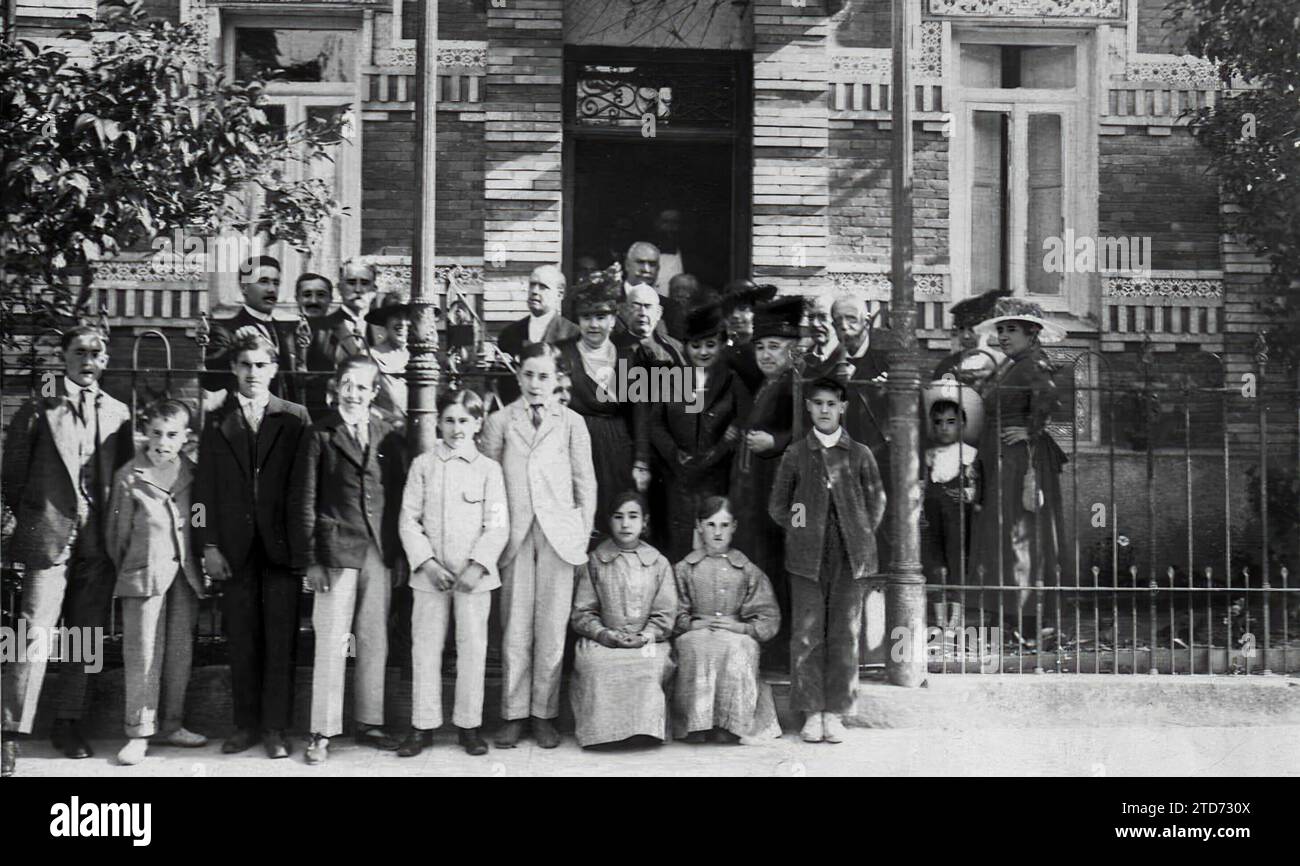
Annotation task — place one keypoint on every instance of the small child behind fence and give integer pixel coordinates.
(950, 478)
(158, 579)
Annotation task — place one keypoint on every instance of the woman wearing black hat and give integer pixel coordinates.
(765, 434)
(595, 364)
(739, 299)
(696, 435)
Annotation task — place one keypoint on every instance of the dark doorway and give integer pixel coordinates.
(649, 130)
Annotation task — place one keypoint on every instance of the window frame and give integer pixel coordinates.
(1079, 296)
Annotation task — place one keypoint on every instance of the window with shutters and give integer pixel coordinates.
(1023, 163)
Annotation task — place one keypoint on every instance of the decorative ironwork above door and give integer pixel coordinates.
(679, 96)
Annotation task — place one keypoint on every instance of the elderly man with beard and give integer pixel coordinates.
(642, 312)
(340, 334)
(826, 351)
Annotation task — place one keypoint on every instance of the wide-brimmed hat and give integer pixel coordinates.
(388, 305)
(703, 322)
(949, 390)
(599, 292)
(745, 291)
(1021, 310)
(973, 310)
(779, 318)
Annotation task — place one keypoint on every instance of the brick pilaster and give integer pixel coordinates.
(523, 132)
(791, 129)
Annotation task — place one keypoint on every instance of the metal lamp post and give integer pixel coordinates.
(905, 591)
(422, 371)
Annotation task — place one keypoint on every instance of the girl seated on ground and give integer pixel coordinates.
(624, 607)
(726, 608)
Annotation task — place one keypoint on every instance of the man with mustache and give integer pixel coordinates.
(259, 283)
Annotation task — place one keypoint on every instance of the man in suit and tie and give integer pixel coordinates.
(246, 455)
(63, 448)
(259, 282)
(641, 312)
(341, 334)
(543, 324)
(545, 454)
(826, 351)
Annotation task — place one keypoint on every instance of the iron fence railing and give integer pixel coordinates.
(1223, 604)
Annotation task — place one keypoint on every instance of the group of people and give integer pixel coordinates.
(685, 540)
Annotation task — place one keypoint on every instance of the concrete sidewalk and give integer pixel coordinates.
(1079, 751)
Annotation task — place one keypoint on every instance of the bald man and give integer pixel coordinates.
(642, 312)
(543, 324)
(826, 350)
(641, 268)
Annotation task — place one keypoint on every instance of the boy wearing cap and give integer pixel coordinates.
(829, 499)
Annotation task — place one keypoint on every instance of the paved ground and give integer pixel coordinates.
(1163, 750)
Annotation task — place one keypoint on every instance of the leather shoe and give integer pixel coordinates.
(243, 740)
(67, 739)
(374, 736)
(471, 741)
(318, 750)
(508, 736)
(275, 744)
(8, 756)
(416, 742)
(545, 734)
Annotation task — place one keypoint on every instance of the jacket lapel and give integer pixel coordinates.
(63, 429)
(269, 431)
(520, 420)
(346, 442)
(232, 427)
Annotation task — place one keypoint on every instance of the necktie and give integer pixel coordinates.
(537, 416)
(359, 431)
(82, 406)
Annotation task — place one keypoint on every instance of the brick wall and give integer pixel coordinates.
(1156, 186)
(523, 135)
(862, 24)
(457, 19)
(790, 143)
(859, 215)
(1155, 33)
(388, 185)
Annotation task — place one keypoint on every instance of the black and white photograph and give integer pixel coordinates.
(872, 390)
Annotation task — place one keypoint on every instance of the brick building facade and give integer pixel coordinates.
(1034, 118)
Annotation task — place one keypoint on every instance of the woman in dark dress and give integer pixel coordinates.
(595, 363)
(694, 438)
(764, 436)
(1019, 529)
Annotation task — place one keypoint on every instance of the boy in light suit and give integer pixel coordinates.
(545, 453)
(62, 451)
(454, 526)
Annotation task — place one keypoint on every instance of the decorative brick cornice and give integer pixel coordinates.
(146, 272)
(877, 63)
(1161, 287)
(1184, 73)
(461, 56)
(1027, 8)
(932, 286)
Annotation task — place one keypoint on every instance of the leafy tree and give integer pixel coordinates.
(1254, 134)
(144, 137)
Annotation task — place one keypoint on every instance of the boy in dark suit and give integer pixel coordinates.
(829, 499)
(246, 454)
(62, 450)
(347, 490)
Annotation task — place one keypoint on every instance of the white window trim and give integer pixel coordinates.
(1080, 297)
(348, 159)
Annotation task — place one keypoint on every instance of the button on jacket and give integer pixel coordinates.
(454, 510)
(809, 479)
(344, 498)
(149, 531)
